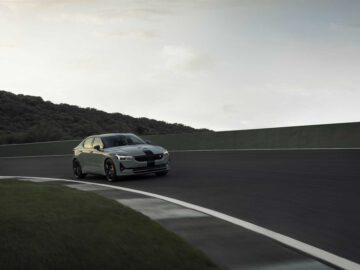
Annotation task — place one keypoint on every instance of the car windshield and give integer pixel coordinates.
(121, 140)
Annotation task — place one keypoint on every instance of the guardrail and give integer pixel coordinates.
(346, 135)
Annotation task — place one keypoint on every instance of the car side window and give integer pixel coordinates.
(98, 141)
(88, 143)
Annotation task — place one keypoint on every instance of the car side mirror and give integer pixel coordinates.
(97, 147)
(148, 142)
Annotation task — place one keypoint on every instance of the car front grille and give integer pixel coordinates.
(149, 157)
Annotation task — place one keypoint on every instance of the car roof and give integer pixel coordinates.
(109, 134)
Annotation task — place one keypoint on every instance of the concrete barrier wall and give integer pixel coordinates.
(345, 135)
(35, 149)
(317, 136)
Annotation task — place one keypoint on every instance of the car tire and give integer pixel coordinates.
(77, 170)
(110, 170)
(161, 173)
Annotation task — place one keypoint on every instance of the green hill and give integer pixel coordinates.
(31, 119)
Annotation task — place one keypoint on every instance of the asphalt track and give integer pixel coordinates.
(311, 195)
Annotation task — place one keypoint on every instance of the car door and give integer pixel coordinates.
(97, 157)
(85, 155)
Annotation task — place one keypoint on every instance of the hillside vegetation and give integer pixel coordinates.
(31, 119)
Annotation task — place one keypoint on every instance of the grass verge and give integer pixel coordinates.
(48, 226)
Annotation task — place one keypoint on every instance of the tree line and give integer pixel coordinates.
(31, 119)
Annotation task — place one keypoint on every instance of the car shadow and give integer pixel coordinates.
(127, 178)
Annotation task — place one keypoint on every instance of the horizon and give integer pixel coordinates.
(208, 130)
(220, 65)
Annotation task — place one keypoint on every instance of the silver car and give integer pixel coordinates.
(119, 154)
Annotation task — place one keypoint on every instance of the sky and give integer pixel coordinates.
(217, 64)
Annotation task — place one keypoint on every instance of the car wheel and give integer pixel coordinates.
(77, 170)
(110, 171)
(161, 173)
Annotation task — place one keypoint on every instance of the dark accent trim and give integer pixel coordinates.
(148, 157)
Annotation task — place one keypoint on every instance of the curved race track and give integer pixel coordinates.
(309, 195)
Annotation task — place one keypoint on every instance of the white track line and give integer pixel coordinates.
(211, 150)
(159, 209)
(288, 241)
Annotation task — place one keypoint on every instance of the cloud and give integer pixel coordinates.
(104, 10)
(20, 5)
(345, 27)
(136, 33)
(151, 10)
(179, 59)
(84, 64)
(8, 45)
(230, 108)
(79, 18)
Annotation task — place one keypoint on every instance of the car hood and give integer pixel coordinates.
(134, 150)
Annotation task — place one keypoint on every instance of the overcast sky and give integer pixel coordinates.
(223, 65)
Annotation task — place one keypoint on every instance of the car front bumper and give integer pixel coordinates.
(145, 170)
(138, 168)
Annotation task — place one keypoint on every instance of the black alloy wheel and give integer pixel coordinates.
(110, 171)
(77, 170)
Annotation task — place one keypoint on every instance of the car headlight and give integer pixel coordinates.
(124, 157)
